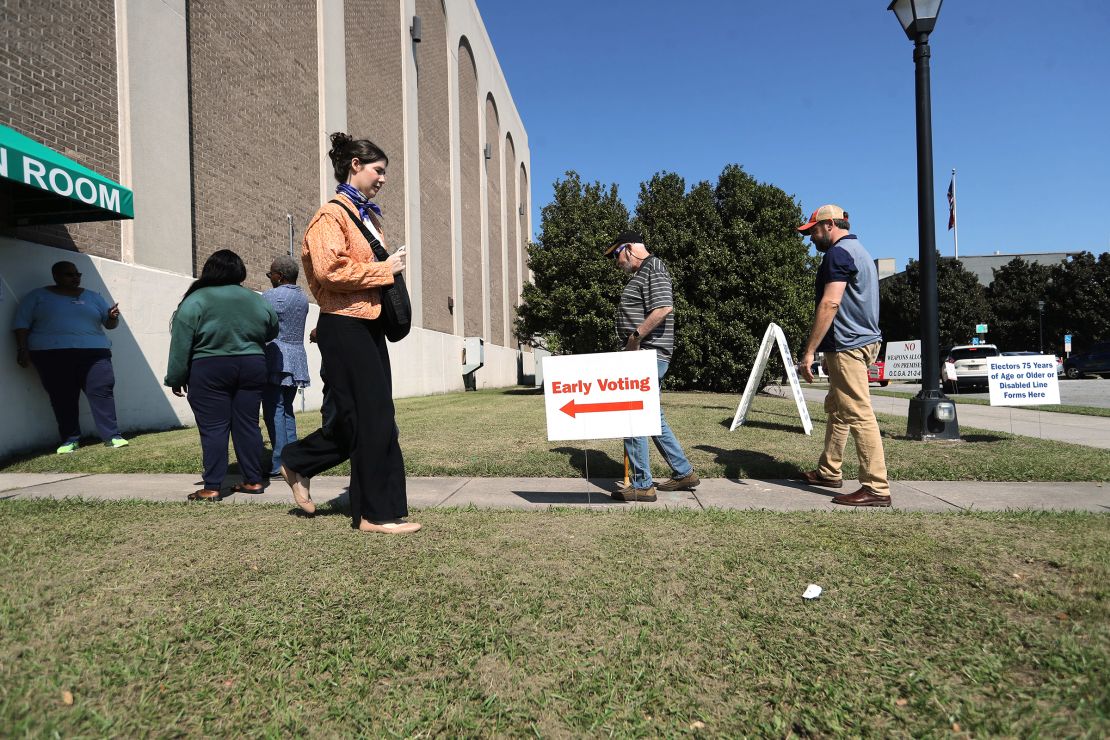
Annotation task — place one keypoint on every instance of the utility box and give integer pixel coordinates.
(538, 355)
(473, 358)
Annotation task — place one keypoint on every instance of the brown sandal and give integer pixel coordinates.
(204, 494)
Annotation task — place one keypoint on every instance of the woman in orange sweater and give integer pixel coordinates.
(346, 280)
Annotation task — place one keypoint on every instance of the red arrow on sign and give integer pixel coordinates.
(573, 408)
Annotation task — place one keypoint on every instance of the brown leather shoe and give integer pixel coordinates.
(863, 497)
(685, 483)
(811, 477)
(204, 494)
(635, 494)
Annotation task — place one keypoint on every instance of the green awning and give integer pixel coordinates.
(40, 186)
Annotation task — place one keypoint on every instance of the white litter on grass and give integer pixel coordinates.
(812, 591)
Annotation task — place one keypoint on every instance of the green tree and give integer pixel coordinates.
(733, 251)
(961, 303)
(1078, 298)
(738, 263)
(568, 308)
(1013, 296)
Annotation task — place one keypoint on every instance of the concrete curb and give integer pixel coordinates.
(578, 493)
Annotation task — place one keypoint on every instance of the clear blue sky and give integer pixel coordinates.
(817, 97)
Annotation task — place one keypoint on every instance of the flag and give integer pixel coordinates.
(952, 203)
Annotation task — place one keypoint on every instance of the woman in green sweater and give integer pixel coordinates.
(217, 357)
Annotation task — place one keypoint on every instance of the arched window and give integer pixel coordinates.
(470, 153)
(493, 229)
(434, 138)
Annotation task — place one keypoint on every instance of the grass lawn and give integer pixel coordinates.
(503, 433)
(134, 619)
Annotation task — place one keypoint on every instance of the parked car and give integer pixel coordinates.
(970, 361)
(1027, 352)
(877, 373)
(1094, 362)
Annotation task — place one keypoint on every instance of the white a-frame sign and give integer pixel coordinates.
(772, 336)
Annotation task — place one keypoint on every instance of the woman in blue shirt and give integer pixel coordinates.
(60, 330)
(286, 360)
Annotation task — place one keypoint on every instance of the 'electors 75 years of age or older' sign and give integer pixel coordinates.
(602, 396)
(1023, 380)
(903, 360)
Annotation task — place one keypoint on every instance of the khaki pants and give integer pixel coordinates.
(849, 408)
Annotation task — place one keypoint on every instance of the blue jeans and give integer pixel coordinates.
(668, 446)
(277, 411)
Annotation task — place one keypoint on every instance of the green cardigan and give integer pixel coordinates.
(221, 321)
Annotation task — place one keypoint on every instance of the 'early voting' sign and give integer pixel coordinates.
(1023, 380)
(602, 396)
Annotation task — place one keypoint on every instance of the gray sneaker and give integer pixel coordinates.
(635, 494)
(685, 483)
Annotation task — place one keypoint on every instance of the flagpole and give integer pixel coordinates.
(955, 221)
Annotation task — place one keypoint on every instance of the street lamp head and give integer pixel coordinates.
(916, 16)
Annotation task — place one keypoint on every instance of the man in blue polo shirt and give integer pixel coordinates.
(846, 329)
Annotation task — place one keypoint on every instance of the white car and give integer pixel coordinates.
(965, 366)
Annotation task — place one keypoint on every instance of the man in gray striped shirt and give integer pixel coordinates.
(645, 320)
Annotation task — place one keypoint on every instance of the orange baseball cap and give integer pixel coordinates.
(824, 213)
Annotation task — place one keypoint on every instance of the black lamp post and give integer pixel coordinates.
(932, 415)
(1040, 327)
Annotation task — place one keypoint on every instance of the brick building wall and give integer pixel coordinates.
(470, 151)
(435, 167)
(512, 281)
(58, 87)
(493, 215)
(375, 106)
(254, 119)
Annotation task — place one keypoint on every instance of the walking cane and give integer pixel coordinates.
(626, 478)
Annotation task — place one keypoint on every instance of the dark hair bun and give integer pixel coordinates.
(340, 142)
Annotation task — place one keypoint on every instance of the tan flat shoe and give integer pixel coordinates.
(389, 527)
(299, 485)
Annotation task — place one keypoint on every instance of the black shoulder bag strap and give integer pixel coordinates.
(396, 306)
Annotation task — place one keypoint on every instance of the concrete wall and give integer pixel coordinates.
(154, 154)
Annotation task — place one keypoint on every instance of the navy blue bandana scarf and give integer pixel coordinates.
(364, 204)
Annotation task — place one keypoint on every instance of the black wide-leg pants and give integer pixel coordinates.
(362, 426)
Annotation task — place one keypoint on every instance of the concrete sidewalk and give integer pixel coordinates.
(1091, 431)
(577, 493)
